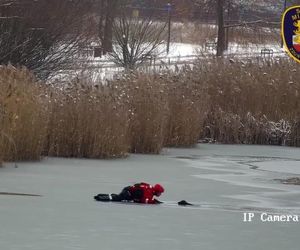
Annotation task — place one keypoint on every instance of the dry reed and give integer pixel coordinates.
(23, 115)
(87, 121)
(250, 100)
(229, 101)
(146, 97)
(295, 133)
(188, 103)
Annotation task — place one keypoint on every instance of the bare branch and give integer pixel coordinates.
(135, 40)
(44, 36)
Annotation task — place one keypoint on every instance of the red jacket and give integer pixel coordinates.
(143, 193)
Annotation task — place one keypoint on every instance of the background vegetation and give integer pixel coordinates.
(229, 101)
(219, 100)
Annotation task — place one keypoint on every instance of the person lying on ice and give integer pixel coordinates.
(139, 193)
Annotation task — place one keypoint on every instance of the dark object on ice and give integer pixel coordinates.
(184, 203)
(20, 194)
(290, 181)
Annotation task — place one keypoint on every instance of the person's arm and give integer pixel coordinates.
(157, 201)
(152, 201)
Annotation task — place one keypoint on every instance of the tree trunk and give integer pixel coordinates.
(109, 9)
(102, 8)
(221, 30)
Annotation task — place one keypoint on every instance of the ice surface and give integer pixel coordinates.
(287, 166)
(225, 180)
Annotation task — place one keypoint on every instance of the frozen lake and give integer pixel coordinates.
(226, 181)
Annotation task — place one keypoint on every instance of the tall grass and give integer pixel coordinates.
(23, 115)
(149, 113)
(148, 107)
(295, 133)
(166, 109)
(87, 121)
(250, 101)
(229, 101)
(188, 104)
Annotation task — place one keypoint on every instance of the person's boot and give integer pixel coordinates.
(115, 197)
(102, 197)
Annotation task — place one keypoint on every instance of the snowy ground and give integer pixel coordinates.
(224, 180)
(180, 54)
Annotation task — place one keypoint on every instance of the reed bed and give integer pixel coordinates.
(148, 108)
(23, 115)
(295, 133)
(166, 109)
(87, 121)
(188, 104)
(253, 103)
(228, 101)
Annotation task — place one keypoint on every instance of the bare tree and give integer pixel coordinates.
(136, 40)
(42, 35)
